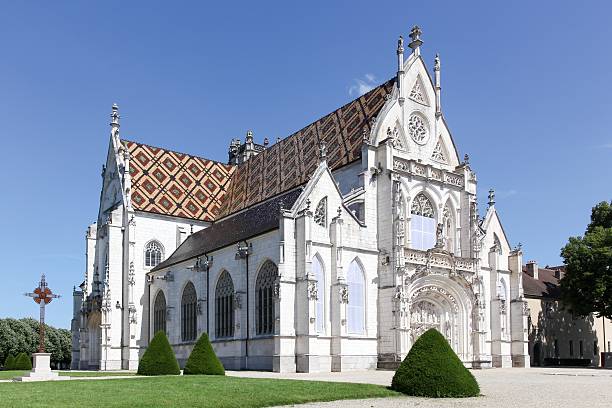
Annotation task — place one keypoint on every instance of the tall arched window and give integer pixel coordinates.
(448, 227)
(264, 298)
(356, 305)
(189, 318)
(154, 253)
(319, 273)
(422, 223)
(224, 306)
(159, 313)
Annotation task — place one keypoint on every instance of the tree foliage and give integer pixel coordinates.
(586, 286)
(21, 336)
(159, 358)
(432, 369)
(203, 359)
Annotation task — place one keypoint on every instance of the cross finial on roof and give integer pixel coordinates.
(415, 36)
(491, 198)
(322, 151)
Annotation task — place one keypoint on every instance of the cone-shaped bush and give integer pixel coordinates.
(203, 359)
(22, 362)
(9, 363)
(159, 358)
(432, 369)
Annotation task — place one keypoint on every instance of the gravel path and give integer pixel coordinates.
(501, 388)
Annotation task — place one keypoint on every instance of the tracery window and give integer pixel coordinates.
(159, 313)
(438, 153)
(422, 223)
(264, 298)
(319, 273)
(320, 215)
(356, 305)
(417, 128)
(153, 254)
(224, 306)
(417, 94)
(189, 318)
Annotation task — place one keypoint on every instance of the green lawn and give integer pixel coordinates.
(8, 375)
(185, 391)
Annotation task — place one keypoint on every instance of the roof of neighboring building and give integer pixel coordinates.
(256, 220)
(291, 161)
(547, 284)
(177, 184)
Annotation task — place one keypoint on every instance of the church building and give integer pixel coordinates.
(332, 249)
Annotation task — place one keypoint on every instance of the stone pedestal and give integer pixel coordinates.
(41, 370)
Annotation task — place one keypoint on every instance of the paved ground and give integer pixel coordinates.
(501, 388)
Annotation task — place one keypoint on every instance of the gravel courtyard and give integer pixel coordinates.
(512, 387)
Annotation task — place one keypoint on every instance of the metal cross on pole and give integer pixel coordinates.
(42, 295)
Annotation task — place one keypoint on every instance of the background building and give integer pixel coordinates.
(556, 336)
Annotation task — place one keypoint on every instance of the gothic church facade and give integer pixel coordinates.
(330, 250)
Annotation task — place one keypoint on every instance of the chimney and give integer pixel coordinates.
(532, 269)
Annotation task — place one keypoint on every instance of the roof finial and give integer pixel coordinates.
(249, 137)
(491, 198)
(400, 66)
(115, 121)
(466, 159)
(415, 36)
(322, 151)
(438, 86)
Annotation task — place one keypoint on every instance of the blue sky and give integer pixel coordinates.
(526, 92)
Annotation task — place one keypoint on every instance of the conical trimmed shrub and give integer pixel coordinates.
(432, 369)
(203, 359)
(22, 362)
(159, 358)
(9, 363)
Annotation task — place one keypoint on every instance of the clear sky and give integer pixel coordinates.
(526, 90)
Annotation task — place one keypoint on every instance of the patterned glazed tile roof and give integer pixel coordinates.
(290, 162)
(177, 184)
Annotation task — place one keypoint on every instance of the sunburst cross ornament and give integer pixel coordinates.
(42, 295)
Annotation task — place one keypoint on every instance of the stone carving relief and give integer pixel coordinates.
(418, 129)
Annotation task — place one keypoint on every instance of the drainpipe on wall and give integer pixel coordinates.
(243, 252)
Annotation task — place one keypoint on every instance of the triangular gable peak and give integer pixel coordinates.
(423, 126)
(112, 194)
(494, 229)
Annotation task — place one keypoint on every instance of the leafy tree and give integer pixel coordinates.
(159, 358)
(586, 286)
(21, 336)
(203, 359)
(432, 369)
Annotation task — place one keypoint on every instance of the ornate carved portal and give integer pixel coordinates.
(426, 314)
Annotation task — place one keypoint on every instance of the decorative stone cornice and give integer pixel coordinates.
(428, 172)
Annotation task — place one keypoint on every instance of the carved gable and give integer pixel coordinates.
(418, 93)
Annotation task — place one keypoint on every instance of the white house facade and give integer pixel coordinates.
(333, 249)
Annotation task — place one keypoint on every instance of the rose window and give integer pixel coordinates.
(417, 129)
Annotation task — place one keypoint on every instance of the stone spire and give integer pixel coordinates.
(491, 198)
(400, 63)
(415, 36)
(438, 87)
